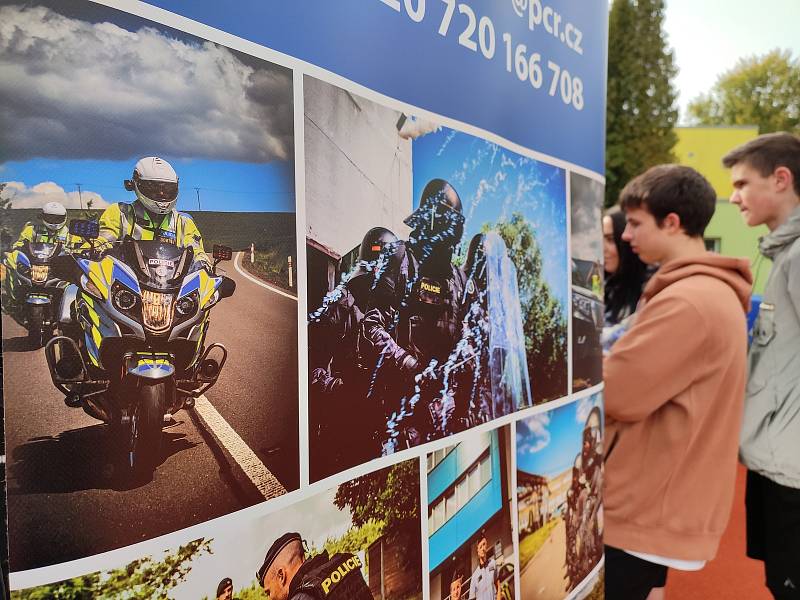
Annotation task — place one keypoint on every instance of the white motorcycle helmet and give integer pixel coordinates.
(53, 215)
(156, 185)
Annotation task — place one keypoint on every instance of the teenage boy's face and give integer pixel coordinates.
(754, 194)
(646, 238)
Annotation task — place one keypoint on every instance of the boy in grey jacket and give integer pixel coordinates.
(766, 178)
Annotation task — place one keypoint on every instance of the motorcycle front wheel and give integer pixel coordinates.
(147, 420)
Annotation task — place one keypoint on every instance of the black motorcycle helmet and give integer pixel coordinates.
(439, 216)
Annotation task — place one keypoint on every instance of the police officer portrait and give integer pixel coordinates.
(436, 280)
(559, 499)
(357, 541)
(148, 280)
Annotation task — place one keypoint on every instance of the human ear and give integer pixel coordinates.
(783, 178)
(671, 223)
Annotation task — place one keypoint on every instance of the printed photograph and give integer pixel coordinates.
(559, 498)
(149, 326)
(437, 277)
(470, 537)
(586, 200)
(362, 544)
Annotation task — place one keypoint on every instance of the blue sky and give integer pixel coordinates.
(548, 442)
(224, 185)
(104, 89)
(494, 182)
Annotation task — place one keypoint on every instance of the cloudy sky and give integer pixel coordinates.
(733, 30)
(88, 91)
(587, 200)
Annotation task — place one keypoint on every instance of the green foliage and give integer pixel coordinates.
(530, 544)
(144, 578)
(641, 112)
(356, 539)
(759, 90)
(7, 237)
(543, 319)
(391, 497)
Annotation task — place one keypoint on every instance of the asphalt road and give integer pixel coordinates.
(545, 576)
(66, 500)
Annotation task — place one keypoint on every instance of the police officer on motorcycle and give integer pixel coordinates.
(51, 227)
(414, 321)
(337, 386)
(286, 573)
(152, 216)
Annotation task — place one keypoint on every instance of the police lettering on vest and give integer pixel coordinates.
(339, 578)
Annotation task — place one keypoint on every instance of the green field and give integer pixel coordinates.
(270, 232)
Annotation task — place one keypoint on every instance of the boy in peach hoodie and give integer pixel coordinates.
(674, 390)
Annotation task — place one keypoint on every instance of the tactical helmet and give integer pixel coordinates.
(53, 215)
(439, 213)
(375, 240)
(155, 183)
(475, 263)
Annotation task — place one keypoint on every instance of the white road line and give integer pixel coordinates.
(267, 484)
(242, 272)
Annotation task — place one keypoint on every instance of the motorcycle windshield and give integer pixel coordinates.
(161, 264)
(41, 251)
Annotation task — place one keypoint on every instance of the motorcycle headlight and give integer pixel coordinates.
(157, 310)
(39, 273)
(124, 299)
(187, 305)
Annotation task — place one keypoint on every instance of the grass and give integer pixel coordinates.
(530, 545)
(271, 266)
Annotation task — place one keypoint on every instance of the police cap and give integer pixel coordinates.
(274, 550)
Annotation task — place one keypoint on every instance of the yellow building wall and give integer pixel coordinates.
(703, 148)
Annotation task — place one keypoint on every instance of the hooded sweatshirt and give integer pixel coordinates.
(770, 441)
(674, 390)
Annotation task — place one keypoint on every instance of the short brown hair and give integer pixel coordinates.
(768, 152)
(666, 189)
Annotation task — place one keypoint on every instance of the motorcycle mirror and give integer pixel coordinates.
(129, 185)
(227, 287)
(83, 228)
(222, 252)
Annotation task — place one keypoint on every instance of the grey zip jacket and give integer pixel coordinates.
(770, 440)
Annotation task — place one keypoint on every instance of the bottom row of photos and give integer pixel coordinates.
(362, 539)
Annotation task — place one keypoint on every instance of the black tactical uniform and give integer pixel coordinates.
(338, 386)
(416, 310)
(324, 578)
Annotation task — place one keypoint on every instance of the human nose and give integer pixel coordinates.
(736, 198)
(627, 235)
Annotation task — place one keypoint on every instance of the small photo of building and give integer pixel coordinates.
(470, 538)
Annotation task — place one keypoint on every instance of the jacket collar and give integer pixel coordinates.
(772, 243)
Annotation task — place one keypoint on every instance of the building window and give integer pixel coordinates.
(460, 493)
(437, 456)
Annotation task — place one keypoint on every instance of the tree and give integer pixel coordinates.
(759, 90)
(543, 319)
(389, 496)
(6, 236)
(641, 112)
(141, 579)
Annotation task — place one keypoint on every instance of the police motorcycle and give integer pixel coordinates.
(34, 288)
(136, 318)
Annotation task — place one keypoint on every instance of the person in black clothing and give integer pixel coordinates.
(625, 273)
(414, 319)
(337, 385)
(286, 574)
